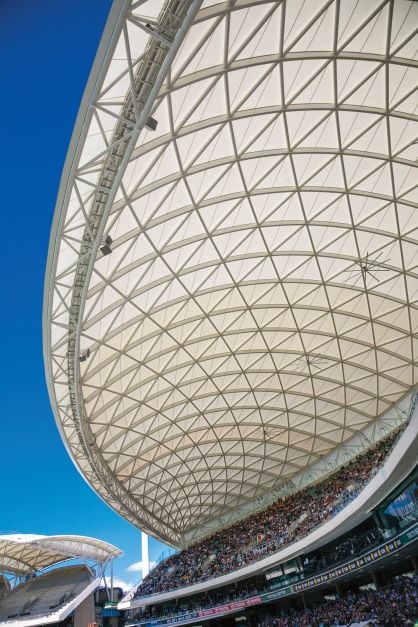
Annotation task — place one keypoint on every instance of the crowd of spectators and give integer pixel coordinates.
(394, 606)
(342, 551)
(282, 523)
(238, 591)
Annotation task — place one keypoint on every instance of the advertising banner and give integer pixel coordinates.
(230, 607)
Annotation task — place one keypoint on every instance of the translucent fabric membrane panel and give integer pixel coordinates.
(257, 310)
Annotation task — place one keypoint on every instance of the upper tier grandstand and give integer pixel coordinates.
(266, 532)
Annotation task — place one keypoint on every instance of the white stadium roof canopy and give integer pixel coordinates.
(21, 554)
(232, 278)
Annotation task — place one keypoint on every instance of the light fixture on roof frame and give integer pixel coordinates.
(313, 361)
(151, 124)
(271, 431)
(84, 354)
(365, 267)
(106, 247)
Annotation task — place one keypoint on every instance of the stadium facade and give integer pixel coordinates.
(230, 297)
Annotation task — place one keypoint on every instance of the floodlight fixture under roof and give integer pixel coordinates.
(84, 354)
(106, 247)
(151, 124)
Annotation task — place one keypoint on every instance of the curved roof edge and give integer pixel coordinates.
(66, 399)
(21, 554)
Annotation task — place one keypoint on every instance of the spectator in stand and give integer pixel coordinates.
(285, 521)
(396, 605)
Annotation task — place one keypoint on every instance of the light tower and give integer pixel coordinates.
(144, 554)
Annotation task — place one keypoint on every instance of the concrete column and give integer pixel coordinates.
(414, 563)
(376, 520)
(381, 521)
(85, 613)
(376, 580)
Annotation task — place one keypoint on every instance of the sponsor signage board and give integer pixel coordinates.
(230, 607)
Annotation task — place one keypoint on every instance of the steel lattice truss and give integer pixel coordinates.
(257, 309)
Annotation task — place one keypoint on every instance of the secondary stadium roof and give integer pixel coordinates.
(231, 285)
(21, 554)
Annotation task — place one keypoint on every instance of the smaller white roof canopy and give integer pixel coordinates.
(23, 553)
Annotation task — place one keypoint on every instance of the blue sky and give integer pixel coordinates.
(47, 48)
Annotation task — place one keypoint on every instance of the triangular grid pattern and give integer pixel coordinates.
(258, 309)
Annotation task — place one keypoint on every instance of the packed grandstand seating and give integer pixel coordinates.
(396, 602)
(342, 551)
(285, 521)
(396, 605)
(44, 594)
(238, 591)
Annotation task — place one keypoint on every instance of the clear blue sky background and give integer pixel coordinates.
(47, 49)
